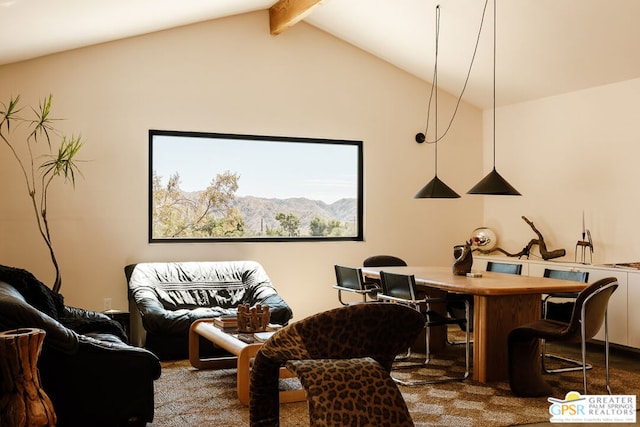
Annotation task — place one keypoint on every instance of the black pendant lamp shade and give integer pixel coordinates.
(494, 185)
(436, 189)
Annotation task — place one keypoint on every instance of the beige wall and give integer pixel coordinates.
(231, 76)
(568, 154)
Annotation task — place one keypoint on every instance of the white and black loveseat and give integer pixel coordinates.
(166, 297)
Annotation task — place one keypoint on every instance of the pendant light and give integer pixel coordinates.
(436, 188)
(494, 183)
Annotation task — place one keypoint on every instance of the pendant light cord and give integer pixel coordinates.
(422, 137)
(435, 84)
(494, 82)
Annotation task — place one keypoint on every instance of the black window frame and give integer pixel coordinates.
(240, 138)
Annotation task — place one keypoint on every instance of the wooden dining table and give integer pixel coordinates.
(501, 303)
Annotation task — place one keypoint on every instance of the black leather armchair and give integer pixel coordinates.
(92, 376)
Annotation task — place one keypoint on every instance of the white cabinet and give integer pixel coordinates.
(633, 319)
(624, 317)
(617, 311)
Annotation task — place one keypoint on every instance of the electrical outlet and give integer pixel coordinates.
(107, 304)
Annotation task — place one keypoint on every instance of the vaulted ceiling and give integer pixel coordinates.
(544, 47)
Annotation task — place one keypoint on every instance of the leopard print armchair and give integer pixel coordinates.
(343, 358)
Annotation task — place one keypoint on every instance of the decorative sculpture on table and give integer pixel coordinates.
(483, 240)
(253, 319)
(583, 244)
(464, 259)
(526, 251)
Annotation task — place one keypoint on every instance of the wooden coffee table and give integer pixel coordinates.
(243, 352)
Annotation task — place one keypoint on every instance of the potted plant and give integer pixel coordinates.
(59, 160)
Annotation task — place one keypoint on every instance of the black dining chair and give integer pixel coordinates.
(588, 316)
(456, 303)
(349, 279)
(503, 267)
(561, 314)
(401, 289)
(382, 261)
(577, 276)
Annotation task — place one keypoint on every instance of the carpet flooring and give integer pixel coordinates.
(189, 397)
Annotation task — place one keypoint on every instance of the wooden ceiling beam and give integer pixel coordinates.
(284, 14)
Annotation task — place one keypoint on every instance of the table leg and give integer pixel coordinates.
(202, 327)
(245, 352)
(494, 318)
(244, 371)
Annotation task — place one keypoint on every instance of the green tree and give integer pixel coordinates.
(58, 163)
(290, 223)
(231, 225)
(334, 228)
(317, 226)
(272, 232)
(209, 213)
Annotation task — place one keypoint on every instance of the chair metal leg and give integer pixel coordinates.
(364, 298)
(407, 356)
(606, 352)
(425, 363)
(340, 298)
(583, 347)
(467, 325)
(578, 364)
(409, 352)
(450, 342)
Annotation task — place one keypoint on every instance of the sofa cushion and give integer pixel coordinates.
(34, 292)
(15, 312)
(189, 285)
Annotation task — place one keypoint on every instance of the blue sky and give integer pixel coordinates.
(272, 169)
